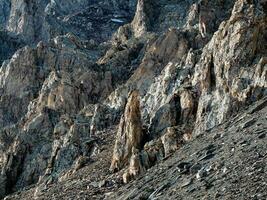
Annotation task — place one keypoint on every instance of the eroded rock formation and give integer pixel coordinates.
(130, 134)
(75, 74)
(231, 70)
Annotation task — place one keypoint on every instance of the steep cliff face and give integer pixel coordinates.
(40, 95)
(232, 67)
(8, 45)
(78, 72)
(43, 20)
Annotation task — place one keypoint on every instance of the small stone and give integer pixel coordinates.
(108, 194)
(184, 167)
(209, 168)
(261, 136)
(94, 184)
(102, 183)
(207, 156)
(244, 143)
(192, 189)
(217, 195)
(187, 182)
(201, 173)
(208, 185)
(195, 168)
(216, 136)
(248, 123)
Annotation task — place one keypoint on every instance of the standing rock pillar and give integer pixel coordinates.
(130, 133)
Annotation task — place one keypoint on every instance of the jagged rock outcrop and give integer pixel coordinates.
(206, 79)
(8, 45)
(43, 20)
(47, 69)
(27, 19)
(130, 134)
(44, 94)
(232, 70)
(143, 17)
(156, 82)
(218, 164)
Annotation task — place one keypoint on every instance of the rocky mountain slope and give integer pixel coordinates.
(127, 100)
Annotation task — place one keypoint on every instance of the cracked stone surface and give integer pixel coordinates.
(126, 99)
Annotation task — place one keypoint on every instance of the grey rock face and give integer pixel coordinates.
(27, 18)
(78, 72)
(55, 139)
(43, 20)
(167, 116)
(228, 75)
(5, 12)
(8, 45)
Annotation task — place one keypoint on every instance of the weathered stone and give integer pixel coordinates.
(225, 71)
(153, 152)
(135, 166)
(61, 101)
(187, 102)
(143, 14)
(130, 133)
(168, 115)
(171, 141)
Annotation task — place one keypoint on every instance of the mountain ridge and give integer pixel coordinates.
(130, 86)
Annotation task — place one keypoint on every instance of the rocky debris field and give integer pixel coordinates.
(227, 162)
(120, 99)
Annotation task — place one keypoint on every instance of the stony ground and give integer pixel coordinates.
(231, 164)
(227, 162)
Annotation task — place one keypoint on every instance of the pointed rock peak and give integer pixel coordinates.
(141, 21)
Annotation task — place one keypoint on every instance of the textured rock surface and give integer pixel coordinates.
(130, 134)
(231, 69)
(43, 20)
(8, 45)
(95, 94)
(233, 154)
